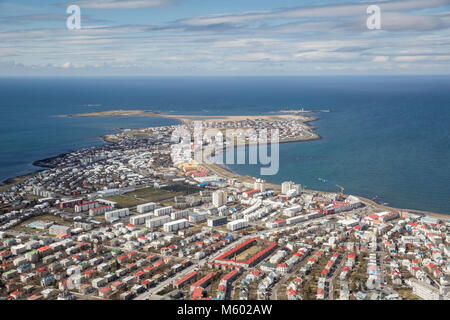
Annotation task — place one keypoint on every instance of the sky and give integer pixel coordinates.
(224, 37)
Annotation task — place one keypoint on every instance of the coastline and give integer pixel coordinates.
(220, 168)
(224, 170)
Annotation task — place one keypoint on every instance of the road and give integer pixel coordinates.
(333, 276)
(197, 264)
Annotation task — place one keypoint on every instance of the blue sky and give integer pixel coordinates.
(226, 37)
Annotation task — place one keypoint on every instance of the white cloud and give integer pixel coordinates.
(326, 11)
(123, 4)
(380, 59)
(410, 58)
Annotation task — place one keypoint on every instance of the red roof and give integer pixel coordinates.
(252, 191)
(230, 275)
(185, 278)
(291, 292)
(197, 294)
(204, 279)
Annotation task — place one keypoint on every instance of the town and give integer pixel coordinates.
(125, 221)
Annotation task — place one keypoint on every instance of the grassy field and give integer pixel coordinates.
(250, 252)
(141, 196)
(124, 201)
(150, 193)
(408, 294)
(23, 226)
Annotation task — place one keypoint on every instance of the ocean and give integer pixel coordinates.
(385, 137)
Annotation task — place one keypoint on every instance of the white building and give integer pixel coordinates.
(179, 214)
(157, 222)
(237, 224)
(260, 184)
(119, 213)
(175, 225)
(58, 230)
(289, 185)
(163, 211)
(141, 218)
(219, 198)
(146, 207)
